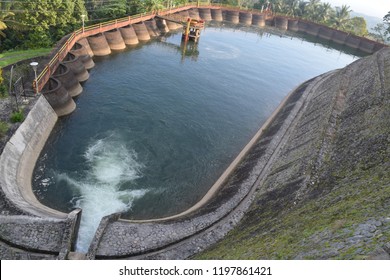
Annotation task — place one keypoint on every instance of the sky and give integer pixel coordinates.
(377, 8)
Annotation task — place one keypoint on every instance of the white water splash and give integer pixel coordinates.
(110, 165)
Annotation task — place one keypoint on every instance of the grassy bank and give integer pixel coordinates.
(11, 57)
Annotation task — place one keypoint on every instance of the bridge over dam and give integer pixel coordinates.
(315, 121)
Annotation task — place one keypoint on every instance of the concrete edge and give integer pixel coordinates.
(20, 155)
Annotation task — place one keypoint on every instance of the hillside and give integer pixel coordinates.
(327, 192)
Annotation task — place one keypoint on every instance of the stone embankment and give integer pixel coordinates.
(327, 191)
(315, 175)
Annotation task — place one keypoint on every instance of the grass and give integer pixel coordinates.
(292, 232)
(11, 57)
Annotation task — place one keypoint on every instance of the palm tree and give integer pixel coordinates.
(3, 19)
(293, 8)
(325, 12)
(311, 9)
(341, 17)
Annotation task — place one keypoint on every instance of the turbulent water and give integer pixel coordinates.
(156, 125)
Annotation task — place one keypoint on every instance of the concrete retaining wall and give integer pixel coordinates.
(325, 33)
(19, 156)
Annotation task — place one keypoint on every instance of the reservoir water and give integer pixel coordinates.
(154, 128)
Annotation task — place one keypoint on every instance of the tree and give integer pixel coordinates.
(382, 30)
(386, 21)
(379, 33)
(325, 13)
(311, 9)
(47, 20)
(153, 5)
(293, 8)
(106, 10)
(357, 26)
(341, 17)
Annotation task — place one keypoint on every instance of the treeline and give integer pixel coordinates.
(323, 13)
(27, 24)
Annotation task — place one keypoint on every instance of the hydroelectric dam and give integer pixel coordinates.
(281, 156)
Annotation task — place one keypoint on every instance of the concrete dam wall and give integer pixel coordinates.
(229, 199)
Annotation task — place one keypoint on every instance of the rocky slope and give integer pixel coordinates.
(327, 195)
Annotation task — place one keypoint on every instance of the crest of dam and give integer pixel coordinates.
(306, 117)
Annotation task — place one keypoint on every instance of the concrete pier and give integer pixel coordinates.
(232, 16)
(129, 36)
(76, 66)
(58, 97)
(115, 40)
(68, 80)
(281, 22)
(216, 14)
(205, 14)
(84, 42)
(258, 20)
(82, 52)
(194, 13)
(152, 28)
(141, 31)
(99, 45)
(245, 18)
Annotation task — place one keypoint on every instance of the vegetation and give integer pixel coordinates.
(317, 11)
(3, 88)
(381, 31)
(39, 24)
(3, 128)
(11, 57)
(17, 116)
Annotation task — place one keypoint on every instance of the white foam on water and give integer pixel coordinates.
(219, 50)
(110, 165)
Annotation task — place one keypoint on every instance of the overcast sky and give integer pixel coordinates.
(377, 8)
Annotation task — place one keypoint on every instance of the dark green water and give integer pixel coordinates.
(153, 130)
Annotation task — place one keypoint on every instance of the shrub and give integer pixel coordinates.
(3, 128)
(17, 116)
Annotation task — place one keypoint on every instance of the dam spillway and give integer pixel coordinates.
(163, 123)
(221, 53)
